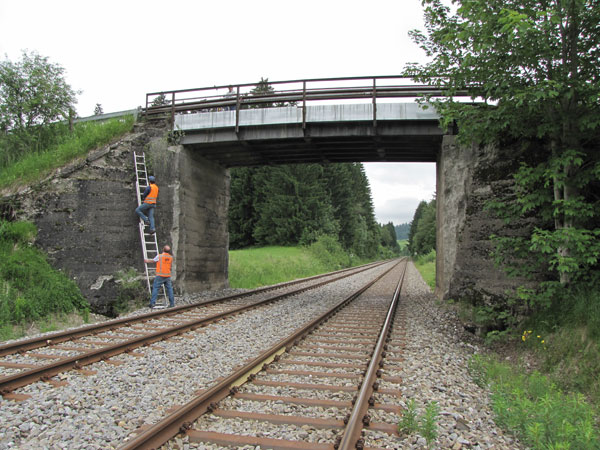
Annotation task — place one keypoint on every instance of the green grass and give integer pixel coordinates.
(403, 244)
(30, 289)
(86, 136)
(531, 405)
(426, 266)
(255, 267)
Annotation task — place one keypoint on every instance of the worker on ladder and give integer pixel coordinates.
(163, 275)
(146, 209)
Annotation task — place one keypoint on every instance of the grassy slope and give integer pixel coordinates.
(251, 268)
(86, 136)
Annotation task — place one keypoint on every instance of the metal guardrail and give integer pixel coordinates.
(285, 93)
(107, 116)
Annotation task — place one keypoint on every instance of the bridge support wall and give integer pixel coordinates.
(467, 177)
(194, 200)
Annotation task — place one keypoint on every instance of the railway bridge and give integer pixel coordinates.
(365, 119)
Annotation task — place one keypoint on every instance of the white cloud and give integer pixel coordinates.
(398, 188)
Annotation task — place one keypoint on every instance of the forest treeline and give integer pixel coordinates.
(422, 229)
(297, 204)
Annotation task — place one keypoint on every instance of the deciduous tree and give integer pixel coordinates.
(533, 68)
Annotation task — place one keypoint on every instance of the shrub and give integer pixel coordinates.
(132, 291)
(329, 251)
(530, 404)
(29, 287)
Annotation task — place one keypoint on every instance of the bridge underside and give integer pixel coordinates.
(282, 136)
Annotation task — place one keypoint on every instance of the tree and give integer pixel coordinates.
(296, 208)
(422, 235)
(160, 100)
(413, 225)
(402, 231)
(533, 68)
(98, 109)
(33, 92)
(33, 96)
(388, 237)
(264, 89)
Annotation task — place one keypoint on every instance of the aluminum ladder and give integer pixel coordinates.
(149, 242)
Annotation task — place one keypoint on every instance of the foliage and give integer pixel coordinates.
(425, 424)
(263, 90)
(402, 231)
(34, 96)
(132, 292)
(570, 329)
(543, 416)
(29, 288)
(422, 234)
(85, 137)
(533, 69)
(425, 264)
(160, 100)
(388, 237)
(295, 204)
(328, 251)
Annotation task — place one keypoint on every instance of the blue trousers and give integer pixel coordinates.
(158, 282)
(146, 208)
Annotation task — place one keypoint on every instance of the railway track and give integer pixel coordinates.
(329, 385)
(41, 358)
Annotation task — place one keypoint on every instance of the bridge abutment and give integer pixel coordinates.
(194, 201)
(467, 178)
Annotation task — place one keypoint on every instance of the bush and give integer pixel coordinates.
(29, 287)
(330, 252)
(543, 416)
(132, 291)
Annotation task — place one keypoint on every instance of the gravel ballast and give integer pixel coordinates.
(101, 410)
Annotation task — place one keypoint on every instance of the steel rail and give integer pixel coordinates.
(181, 419)
(352, 434)
(67, 335)
(11, 382)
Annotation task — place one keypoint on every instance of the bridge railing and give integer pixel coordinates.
(284, 93)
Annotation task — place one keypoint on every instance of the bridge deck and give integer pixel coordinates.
(400, 132)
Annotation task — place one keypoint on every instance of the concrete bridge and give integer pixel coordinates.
(218, 132)
(403, 132)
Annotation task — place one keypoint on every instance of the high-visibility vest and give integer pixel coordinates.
(152, 195)
(163, 266)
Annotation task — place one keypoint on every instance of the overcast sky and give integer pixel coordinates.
(117, 51)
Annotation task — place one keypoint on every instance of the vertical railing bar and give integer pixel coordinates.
(237, 110)
(374, 103)
(173, 108)
(304, 105)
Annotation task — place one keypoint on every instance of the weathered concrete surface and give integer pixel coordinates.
(196, 197)
(86, 221)
(467, 177)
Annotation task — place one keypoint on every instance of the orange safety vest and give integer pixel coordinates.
(163, 266)
(152, 195)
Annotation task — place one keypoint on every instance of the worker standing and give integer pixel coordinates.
(146, 209)
(163, 275)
